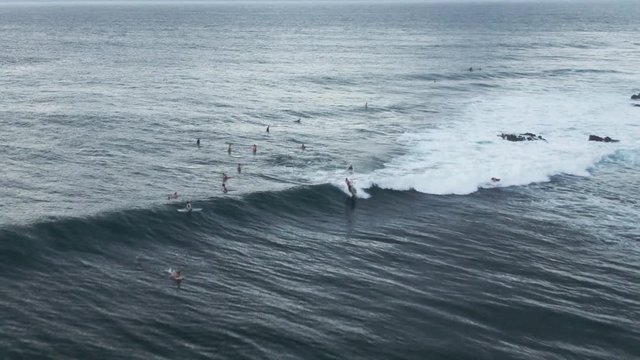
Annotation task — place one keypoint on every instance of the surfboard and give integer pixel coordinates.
(192, 210)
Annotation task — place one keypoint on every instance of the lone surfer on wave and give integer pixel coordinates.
(350, 187)
(188, 207)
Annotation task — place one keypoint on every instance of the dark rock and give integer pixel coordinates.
(521, 137)
(601, 139)
(635, 97)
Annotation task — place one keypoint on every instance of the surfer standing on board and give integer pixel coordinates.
(188, 207)
(350, 187)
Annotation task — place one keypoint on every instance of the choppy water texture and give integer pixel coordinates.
(101, 109)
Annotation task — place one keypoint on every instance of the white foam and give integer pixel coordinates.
(461, 157)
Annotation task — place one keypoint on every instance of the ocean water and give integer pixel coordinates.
(101, 106)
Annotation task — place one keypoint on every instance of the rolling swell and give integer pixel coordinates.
(31, 245)
(492, 74)
(306, 273)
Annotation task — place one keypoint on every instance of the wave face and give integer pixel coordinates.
(102, 106)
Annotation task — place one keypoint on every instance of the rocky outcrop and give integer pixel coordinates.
(601, 139)
(521, 137)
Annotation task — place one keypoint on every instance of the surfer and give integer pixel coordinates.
(188, 207)
(267, 128)
(239, 169)
(495, 179)
(254, 148)
(177, 277)
(198, 142)
(350, 168)
(350, 187)
(224, 188)
(303, 147)
(173, 196)
(297, 121)
(229, 149)
(225, 177)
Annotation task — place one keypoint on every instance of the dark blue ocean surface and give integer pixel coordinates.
(101, 109)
